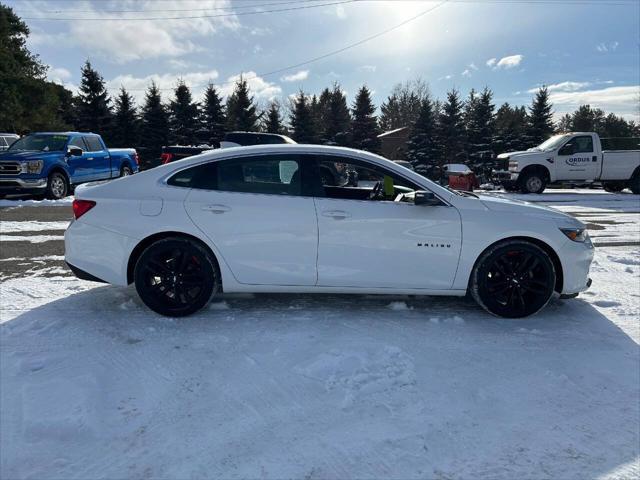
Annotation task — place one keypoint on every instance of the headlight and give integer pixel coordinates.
(513, 165)
(576, 234)
(32, 166)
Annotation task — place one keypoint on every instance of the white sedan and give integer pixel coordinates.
(309, 218)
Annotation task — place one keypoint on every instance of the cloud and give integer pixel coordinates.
(58, 75)
(563, 87)
(126, 41)
(466, 73)
(505, 63)
(296, 77)
(607, 47)
(260, 88)
(472, 66)
(137, 86)
(620, 100)
(368, 68)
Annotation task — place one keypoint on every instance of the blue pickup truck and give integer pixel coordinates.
(51, 164)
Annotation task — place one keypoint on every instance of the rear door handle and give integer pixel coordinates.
(90, 158)
(336, 214)
(216, 208)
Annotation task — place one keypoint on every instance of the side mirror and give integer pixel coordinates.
(567, 149)
(426, 198)
(74, 152)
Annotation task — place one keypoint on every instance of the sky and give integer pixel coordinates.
(585, 51)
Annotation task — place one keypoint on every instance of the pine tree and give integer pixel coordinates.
(587, 119)
(94, 104)
(241, 111)
(511, 126)
(333, 116)
(364, 127)
(422, 150)
(480, 131)
(213, 116)
(450, 132)
(301, 119)
(155, 125)
(402, 107)
(125, 121)
(273, 119)
(183, 116)
(540, 117)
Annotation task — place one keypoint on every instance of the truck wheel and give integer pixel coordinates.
(533, 182)
(634, 184)
(613, 187)
(125, 171)
(57, 186)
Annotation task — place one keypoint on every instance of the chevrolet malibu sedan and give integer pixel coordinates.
(318, 219)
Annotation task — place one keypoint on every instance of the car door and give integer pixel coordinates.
(97, 160)
(253, 209)
(381, 243)
(578, 160)
(77, 165)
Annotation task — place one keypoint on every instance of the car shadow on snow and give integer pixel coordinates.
(345, 386)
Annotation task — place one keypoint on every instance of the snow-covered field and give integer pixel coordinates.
(93, 385)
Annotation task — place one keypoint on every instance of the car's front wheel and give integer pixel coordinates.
(513, 279)
(176, 276)
(533, 182)
(57, 186)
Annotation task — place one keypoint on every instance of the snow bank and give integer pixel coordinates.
(32, 203)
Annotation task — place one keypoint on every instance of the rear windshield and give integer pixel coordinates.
(40, 143)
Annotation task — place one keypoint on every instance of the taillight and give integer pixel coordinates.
(80, 207)
(166, 157)
(136, 158)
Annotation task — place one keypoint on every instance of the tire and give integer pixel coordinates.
(533, 182)
(613, 187)
(57, 186)
(176, 277)
(125, 171)
(513, 279)
(634, 184)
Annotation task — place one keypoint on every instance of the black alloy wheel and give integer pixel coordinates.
(513, 279)
(176, 277)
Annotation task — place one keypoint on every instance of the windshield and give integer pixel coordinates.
(552, 143)
(40, 143)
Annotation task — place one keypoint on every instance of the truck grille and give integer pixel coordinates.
(9, 168)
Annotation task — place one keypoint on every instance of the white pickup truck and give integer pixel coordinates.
(572, 157)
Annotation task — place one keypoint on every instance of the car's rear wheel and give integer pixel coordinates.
(125, 171)
(513, 279)
(57, 186)
(634, 184)
(176, 276)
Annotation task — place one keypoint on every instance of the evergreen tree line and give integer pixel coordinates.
(454, 130)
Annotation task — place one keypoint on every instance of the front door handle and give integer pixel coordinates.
(216, 208)
(336, 214)
(595, 158)
(90, 158)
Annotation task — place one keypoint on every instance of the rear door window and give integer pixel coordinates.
(270, 174)
(93, 144)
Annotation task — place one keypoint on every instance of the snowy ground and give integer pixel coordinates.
(92, 385)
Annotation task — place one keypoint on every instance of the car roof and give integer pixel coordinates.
(63, 133)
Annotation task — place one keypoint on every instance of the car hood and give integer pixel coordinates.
(501, 203)
(28, 155)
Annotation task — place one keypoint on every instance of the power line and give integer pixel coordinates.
(257, 5)
(329, 54)
(190, 17)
